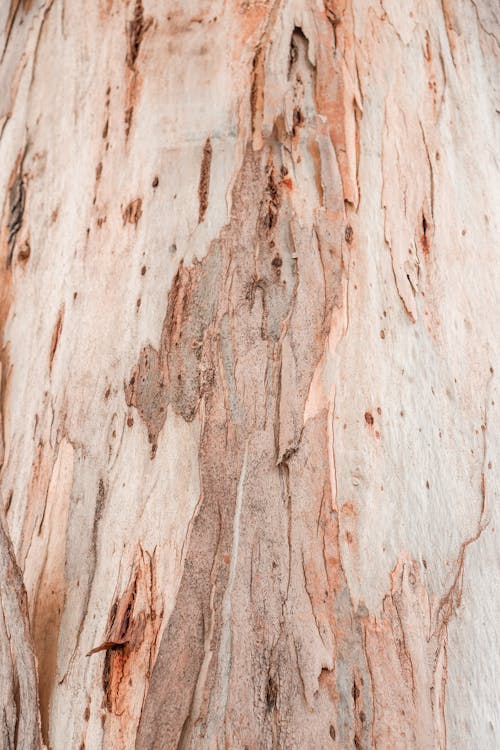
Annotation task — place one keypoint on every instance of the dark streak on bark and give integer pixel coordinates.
(16, 210)
(204, 184)
(55, 336)
(136, 28)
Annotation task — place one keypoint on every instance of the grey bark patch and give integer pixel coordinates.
(178, 373)
(222, 341)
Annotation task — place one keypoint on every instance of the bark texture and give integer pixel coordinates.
(249, 394)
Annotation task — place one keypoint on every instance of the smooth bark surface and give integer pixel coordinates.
(249, 395)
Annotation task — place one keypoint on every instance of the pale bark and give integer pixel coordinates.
(249, 408)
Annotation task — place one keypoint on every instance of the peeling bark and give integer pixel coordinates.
(248, 391)
(18, 685)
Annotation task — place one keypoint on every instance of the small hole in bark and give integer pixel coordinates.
(293, 55)
(24, 253)
(332, 731)
(271, 693)
(368, 418)
(155, 182)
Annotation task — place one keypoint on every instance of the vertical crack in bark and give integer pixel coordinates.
(13, 210)
(204, 184)
(135, 31)
(55, 336)
(16, 210)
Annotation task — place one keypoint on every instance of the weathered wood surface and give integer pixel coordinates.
(249, 394)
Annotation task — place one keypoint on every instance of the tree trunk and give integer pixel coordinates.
(249, 408)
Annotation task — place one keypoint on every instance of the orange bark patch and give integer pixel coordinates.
(130, 643)
(47, 591)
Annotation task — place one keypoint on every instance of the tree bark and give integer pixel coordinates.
(249, 402)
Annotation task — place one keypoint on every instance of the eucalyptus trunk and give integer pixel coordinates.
(249, 323)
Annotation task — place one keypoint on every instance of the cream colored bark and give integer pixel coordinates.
(249, 391)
